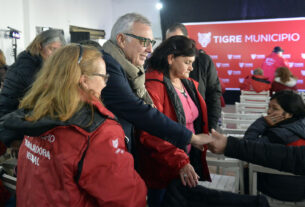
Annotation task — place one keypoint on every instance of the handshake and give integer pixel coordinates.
(215, 141)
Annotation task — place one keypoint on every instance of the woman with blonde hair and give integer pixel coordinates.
(22, 73)
(284, 80)
(73, 152)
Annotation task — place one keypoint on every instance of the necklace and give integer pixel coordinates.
(183, 93)
(181, 90)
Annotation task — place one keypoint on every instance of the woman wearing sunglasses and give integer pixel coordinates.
(73, 152)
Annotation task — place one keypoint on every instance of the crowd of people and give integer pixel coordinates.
(97, 129)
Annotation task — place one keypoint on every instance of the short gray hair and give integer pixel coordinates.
(125, 23)
(45, 38)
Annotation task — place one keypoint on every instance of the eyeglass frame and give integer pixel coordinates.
(143, 40)
(104, 76)
(80, 56)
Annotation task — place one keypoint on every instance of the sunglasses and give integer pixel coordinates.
(143, 40)
(105, 76)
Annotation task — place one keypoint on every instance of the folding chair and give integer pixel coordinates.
(253, 170)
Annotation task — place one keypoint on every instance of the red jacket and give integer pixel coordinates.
(160, 161)
(271, 63)
(256, 83)
(278, 85)
(48, 165)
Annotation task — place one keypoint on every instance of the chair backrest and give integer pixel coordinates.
(8, 181)
(263, 93)
(251, 108)
(254, 99)
(228, 175)
(253, 170)
(238, 121)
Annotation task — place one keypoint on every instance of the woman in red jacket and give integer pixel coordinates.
(284, 80)
(73, 152)
(177, 96)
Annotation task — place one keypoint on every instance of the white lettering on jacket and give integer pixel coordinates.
(37, 149)
(34, 159)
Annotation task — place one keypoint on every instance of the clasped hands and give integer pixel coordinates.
(215, 141)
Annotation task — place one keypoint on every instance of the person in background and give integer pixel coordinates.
(284, 80)
(21, 74)
(73, 153)
(177, 96)
(223, 90)
(3, 68)
(273, 61)
(91, 43)
(257, 82)
(131, 40)
(284, 124)
(204, 72)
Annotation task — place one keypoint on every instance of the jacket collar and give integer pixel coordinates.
(292, 82)
(15, 121)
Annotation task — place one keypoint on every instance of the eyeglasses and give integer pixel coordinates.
(80, 57)
(143, 40)
(105, 76)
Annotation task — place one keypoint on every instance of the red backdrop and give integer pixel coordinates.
(238, 47)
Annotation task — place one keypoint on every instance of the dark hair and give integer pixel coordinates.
(176, 26)
(176, 45)
(291, 102)
(91, 43)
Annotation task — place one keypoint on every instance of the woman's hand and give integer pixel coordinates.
(273, 119)
(199, 140)
(188, 176)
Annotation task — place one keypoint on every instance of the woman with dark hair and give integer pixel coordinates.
(175, 95)
(283, 80)
(284, 124)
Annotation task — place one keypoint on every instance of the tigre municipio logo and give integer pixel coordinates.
(204, 39)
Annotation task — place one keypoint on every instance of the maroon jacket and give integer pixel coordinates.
(160, 161)
(278, 85)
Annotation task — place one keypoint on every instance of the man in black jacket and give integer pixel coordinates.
(284, 158)
(125, 94)
(205, 73)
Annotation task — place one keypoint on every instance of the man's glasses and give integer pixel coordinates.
(105, 76)
(144, 41)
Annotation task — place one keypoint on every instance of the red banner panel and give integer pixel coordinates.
(238, 47)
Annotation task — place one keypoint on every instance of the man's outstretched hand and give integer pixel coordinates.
(199, 140)
(219, 142)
